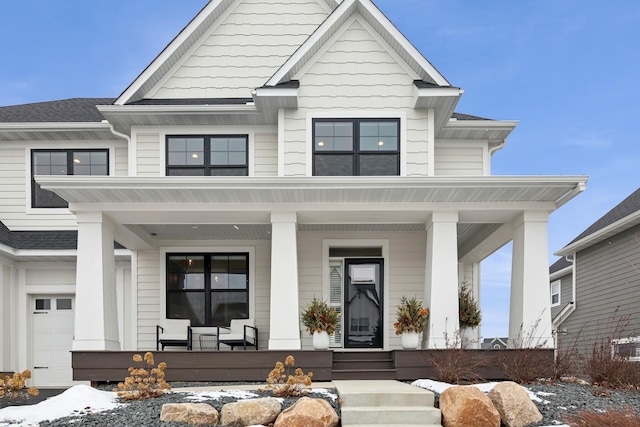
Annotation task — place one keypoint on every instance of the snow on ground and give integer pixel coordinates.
(84, 399)
(439, 387)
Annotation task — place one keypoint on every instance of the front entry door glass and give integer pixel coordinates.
(363, 303)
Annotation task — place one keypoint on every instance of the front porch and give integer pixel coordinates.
(254, 366)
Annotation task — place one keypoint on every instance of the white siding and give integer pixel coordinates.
(356, 73)
(244, 51)
(406, 264)
(266, 153)
(148, 146)
(15, 183)
(149, 289)
(458, 159)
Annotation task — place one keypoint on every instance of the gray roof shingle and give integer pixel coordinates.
(560, 264)
(57, 240)
(625, 208)
(65, 110)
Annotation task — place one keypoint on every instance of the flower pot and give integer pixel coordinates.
(410, 340)
(469, 337)
(320, 340)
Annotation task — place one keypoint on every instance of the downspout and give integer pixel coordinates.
(129, 146)
(571, 307)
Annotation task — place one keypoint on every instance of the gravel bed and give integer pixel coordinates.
(147, 412)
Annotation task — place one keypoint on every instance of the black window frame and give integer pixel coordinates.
(35, 187)
(207, 291)
(207, 167)
(356, 152)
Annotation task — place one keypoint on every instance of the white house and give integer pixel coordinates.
(269, 154)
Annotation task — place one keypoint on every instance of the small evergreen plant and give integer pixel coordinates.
(318, 317)
(469, 310)
(410, 316)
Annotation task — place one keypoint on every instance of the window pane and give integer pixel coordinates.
(185, 151)
(43, 304)
(219, 158)
(185, 172)
(63, 303)
(228, 171)
(378, 164)
(228, 305)
(378, 136)
(333, 136)
(47, 199)
(185, 272)
(333, 165)
(237, 144)
(187, 305)
(237, 158)
(219, 144)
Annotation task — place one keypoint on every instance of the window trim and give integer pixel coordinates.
(251, 250)
(206, 166)
(559, 293)
(70, 166)
(356, 152)
(629, 340)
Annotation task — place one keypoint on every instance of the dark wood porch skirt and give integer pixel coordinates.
(251, 365)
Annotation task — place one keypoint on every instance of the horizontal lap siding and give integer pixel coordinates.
(566, 295)
(15, 179)
(406, 269)
(266, 153)
(608, 288)
(458, 160)
(148, 148)
(245, 50)
(356, 73)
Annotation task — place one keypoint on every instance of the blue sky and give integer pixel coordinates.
(567, 70)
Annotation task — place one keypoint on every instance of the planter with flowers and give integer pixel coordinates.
(469, 316)
(411, 320)
(321, 321)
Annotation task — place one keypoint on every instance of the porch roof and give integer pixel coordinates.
(553, 191)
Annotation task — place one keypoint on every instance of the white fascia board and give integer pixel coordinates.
(431, 97)
(168, 51)
(16, 254)
(482, 124)
(276, 98)
(608, 231)
(128, 110)
(277, 92)
(53, 126)
(560, 273)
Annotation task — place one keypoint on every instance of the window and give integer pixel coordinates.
(213, 155)
(63, 162)
(348, 147)
(627, 348)
(555, 293)
(209, 289)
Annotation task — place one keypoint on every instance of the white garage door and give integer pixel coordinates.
(52, 340)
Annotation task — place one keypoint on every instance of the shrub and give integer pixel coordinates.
(13, 386)
(410, 316)
(456, 365)
(284, 384)
(318, 317)
(626, 417)
(144, 383)
(468, 308)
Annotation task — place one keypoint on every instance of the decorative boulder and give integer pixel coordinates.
(309, 413)
(514, 405)
(250, 412)
(467, 406)
(195, 414)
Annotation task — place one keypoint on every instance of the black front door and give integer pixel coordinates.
(363, 303)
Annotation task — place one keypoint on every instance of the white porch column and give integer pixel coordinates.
(284, 311)
(530, 311)
(96, 315)
(441, 281)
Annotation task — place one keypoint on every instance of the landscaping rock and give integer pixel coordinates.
(309, 413)
(250, 412)
(467, 406)
(195, 414)
(514, 405)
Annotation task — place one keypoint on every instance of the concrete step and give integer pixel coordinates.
(359, 374)
(392, 415)
(386, 403)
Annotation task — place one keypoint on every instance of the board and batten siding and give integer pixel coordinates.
(406, 264)
(456, 159)
(15, 183)
(608, 289)
(355, 76)
(244, 51)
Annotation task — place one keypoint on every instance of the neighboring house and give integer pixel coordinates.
(595, 287)
(269, 154)
(494, 343)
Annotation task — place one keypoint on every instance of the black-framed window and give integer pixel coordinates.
(63, 162)
(348, 147)
(207, 155)
(210, 289)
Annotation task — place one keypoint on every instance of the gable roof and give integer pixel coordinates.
(560, 264)
(179, 46)
(622, 217)
(391, 35)
(66, 110)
